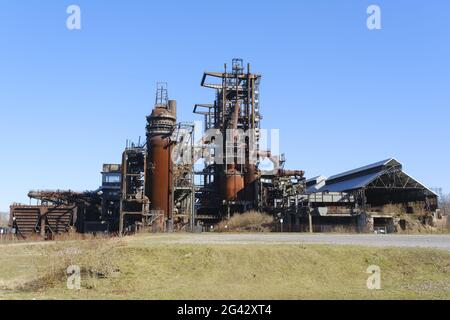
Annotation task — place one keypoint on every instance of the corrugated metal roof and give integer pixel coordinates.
(361, 177)
(351, 184)
(314, 179)
(314, 184)
(380, 164)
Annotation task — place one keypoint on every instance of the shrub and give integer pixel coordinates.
(97, 259)
(248, 222)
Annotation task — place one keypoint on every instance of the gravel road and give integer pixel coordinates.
(381, 241)
(407, 241)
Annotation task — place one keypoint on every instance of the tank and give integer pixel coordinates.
(233, 185)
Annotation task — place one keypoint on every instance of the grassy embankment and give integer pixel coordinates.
(144, 267)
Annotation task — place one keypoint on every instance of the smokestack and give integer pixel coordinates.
(173, 107)
(159, 172)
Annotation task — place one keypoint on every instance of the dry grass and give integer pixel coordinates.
(74, 236)
(64, 237)
(419, 210)
(420, 221)
(394, 209)
(415, 226)
(248, 222)
(48, 262)
(13, 239)
(97, 259)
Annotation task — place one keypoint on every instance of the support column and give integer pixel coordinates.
(42, 215)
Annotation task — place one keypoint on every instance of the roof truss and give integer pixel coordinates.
(395, 178)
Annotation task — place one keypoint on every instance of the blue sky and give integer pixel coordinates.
(343, 96)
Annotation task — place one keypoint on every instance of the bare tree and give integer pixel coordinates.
(3, 219)
(444, 204)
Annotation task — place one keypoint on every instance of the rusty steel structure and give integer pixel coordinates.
(177, 181)
(56, 212)
(157, 186)
(134, 204)
(159, 174)
(231, 180)
(46, 221)
(158, 191)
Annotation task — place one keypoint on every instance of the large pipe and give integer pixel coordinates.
(281, 172)
(291, 173)
(233, 181)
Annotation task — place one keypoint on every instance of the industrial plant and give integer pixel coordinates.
(178, 181)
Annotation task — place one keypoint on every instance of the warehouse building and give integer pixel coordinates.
(380, 184)
(364, 199)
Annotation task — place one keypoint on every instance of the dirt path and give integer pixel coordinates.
(409, 241)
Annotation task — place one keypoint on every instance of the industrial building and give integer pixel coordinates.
(356, 200)
(380, 183)
(159, 187)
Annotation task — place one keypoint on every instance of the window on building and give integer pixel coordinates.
(111, 178)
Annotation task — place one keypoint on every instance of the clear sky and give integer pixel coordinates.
(343, 96)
